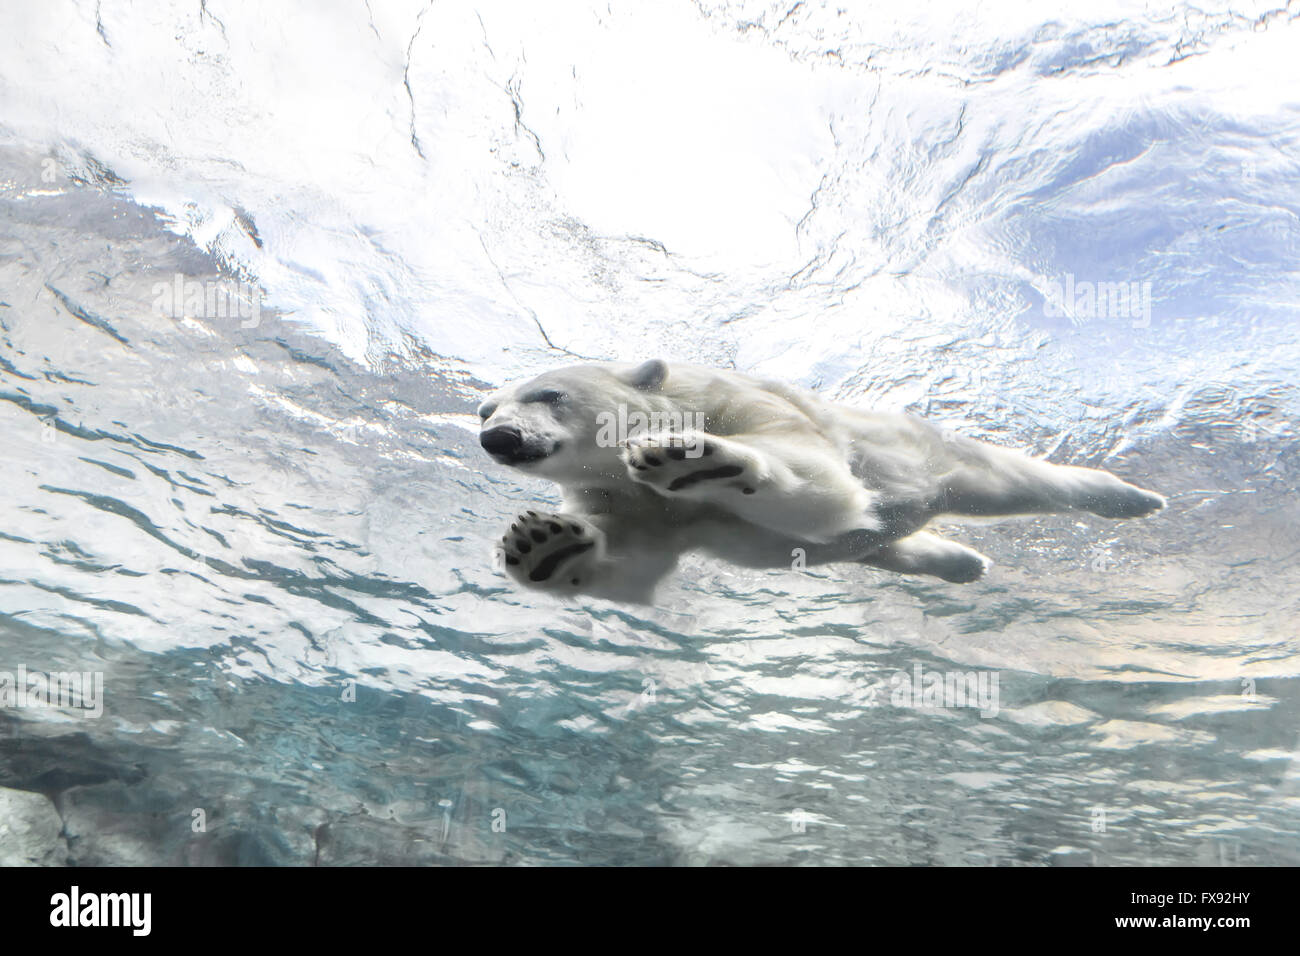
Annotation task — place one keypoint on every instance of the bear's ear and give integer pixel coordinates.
(648, 376)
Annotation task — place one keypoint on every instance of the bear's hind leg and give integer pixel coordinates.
(924, 553)
(994, 482)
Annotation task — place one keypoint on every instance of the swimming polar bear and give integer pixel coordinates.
(655, 460)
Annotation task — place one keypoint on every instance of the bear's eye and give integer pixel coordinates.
(550, 396)
(485, 411)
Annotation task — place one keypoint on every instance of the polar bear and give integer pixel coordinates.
(655, 460)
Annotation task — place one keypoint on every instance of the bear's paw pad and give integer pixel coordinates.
(675, 463)
(548, 550)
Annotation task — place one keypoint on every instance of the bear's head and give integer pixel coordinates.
(565, 425)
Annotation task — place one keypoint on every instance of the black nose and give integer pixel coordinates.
(502, 440)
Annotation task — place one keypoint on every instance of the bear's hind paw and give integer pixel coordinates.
(1123, 500)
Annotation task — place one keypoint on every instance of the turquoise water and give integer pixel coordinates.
(271, 535)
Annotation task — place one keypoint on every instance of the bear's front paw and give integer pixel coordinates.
(551, 551)
(691, 464)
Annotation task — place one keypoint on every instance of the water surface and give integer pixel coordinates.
(273, 538)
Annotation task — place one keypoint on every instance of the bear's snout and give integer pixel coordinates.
(503, 440)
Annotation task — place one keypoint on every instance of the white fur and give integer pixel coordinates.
(769, 475)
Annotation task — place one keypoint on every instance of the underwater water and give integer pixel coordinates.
(262, 515)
